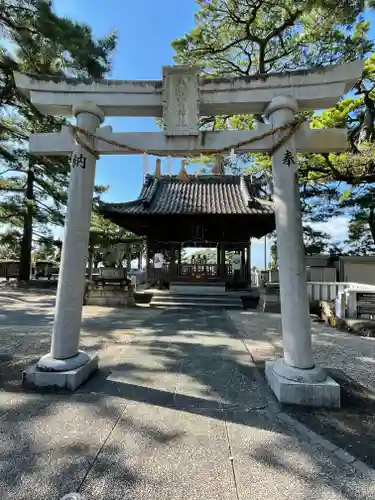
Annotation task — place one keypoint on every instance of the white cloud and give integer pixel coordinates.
(337, 228)
(259, 242)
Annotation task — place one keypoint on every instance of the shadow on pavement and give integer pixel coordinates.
(188, 365)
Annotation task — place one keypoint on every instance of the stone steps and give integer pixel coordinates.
(227, 301)
(215, 288)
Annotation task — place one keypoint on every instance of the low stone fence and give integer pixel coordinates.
(323, 290)
(318, 291)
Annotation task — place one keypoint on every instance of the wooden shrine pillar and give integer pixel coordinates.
(218, 260)
(129, 258)
(173, 266)
(147, 257)
(248, 261)
(179, 260)
(243, 264)
(222, 260)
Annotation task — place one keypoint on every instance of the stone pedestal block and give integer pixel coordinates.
(70, 379)
(326, 393)
(112, 272)
(107, 294)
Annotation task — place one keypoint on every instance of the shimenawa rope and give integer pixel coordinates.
(291, 128)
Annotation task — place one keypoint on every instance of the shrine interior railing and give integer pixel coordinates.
(210, 270)
(192, 271)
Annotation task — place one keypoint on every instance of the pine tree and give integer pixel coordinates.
(34, 190)
(257, 37)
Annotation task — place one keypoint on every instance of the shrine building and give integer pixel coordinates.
(205, 211)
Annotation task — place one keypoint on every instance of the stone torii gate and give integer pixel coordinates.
(180, 99)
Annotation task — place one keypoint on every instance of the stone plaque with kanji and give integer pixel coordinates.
(180, 100)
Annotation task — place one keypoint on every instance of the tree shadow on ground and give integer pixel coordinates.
(208, 366)
(344, 356)
(58, 437)
(26, 328)
(50, 444)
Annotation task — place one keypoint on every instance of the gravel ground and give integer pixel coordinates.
(349, 359)
(353, 355)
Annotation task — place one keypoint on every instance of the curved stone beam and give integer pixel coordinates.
(314, 89)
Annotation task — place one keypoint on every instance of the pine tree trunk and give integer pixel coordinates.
(27, 236)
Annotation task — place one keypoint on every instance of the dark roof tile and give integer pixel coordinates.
(219, 194)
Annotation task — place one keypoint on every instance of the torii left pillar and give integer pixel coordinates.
(65, 365)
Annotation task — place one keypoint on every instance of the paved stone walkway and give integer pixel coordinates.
(178, 411)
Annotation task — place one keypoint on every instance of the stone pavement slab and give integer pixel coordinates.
(270, 462)
(349, 360)
(26, 325)
(198, 368)
(177, 411)
(168, 454)
(48, 443)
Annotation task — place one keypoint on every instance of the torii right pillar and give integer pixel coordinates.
(295, 379)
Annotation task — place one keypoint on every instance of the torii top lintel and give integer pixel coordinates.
(181, 97)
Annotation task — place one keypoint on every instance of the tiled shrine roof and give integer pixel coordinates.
(195, 195)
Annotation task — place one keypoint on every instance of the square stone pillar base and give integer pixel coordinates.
(326, 394)
(71, 379)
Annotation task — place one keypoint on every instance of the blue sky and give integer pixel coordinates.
(145, 31)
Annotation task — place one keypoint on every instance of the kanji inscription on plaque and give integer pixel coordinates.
(180, 100)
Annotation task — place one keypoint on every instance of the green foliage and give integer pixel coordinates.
(274, 257)
(105, 233)
(67, 46)
(344, 183)
(245, 37)
(251, 37)
(209, 253)
(48, 249)
(10, 242)
(33, 191)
